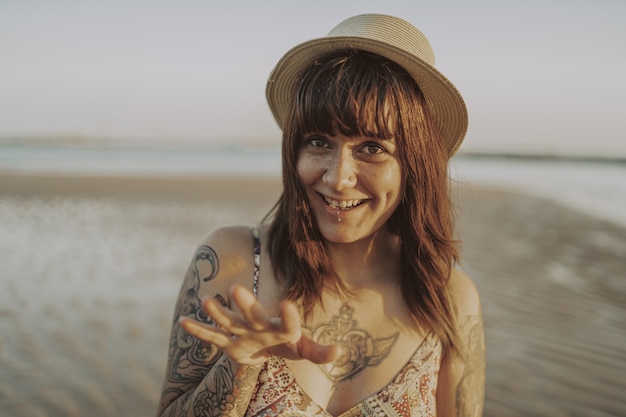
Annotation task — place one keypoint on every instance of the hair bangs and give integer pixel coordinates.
(352, 94)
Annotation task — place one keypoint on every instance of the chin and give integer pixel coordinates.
(346, 236)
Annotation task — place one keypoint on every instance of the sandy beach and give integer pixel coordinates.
(90, 268)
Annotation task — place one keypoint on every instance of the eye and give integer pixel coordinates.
(317, 142)
(374, 149)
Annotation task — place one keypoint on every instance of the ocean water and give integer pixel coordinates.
(120, 158)
(594, 187)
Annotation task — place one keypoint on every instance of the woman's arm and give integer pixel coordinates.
(199, 376)
(461, 387)
(221, 335)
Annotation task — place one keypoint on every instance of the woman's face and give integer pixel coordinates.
(354, 184)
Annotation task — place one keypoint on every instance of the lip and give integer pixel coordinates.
(350, 204)
(342, 204)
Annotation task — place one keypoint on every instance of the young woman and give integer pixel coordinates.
(345, 300)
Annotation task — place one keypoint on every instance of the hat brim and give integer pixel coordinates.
(445, 104)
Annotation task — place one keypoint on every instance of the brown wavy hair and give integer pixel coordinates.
(362, 94)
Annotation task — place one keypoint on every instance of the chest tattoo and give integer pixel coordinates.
(359, 349)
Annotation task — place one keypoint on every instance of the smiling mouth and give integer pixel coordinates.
(343, 204)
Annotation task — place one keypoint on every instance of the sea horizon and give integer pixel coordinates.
(593, 184)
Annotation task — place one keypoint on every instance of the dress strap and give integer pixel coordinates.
(257, 261)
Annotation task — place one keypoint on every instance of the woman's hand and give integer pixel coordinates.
(252, 336)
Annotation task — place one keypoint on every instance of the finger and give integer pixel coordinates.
(253, 312)
(208, 334)
(316, 353)
(224, 318)
(290, 319)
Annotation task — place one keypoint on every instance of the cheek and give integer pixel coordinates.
(392, 179)
(395, 181)
(307, 170)
(301, 171)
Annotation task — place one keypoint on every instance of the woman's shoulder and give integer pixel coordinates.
(464, 294)
(229, 238)
(226, 256)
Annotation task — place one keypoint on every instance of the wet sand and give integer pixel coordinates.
(90, 268)
(553, 287)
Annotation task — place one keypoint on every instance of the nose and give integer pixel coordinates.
(340, 171)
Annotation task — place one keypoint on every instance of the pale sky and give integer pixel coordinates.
(539, 76)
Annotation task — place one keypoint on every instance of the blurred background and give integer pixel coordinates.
(129, 129)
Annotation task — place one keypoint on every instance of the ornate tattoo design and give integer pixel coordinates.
(245, 383)
(359, 348)
(206, 255)
(217, 398)
(202, 381)
(186, 351)
(470, 391)
(226, 390)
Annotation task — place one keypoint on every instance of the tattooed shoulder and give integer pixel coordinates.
(187, 352)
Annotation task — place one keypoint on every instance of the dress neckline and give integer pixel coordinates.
(429, 341)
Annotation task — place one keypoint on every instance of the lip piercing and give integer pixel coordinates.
(338, 218)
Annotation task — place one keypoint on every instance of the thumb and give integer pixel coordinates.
(317, 353)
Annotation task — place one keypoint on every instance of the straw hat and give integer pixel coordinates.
(390, 37)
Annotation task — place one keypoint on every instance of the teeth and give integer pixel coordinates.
(342, 205)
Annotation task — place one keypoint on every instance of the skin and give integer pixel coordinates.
(340, 168)
(359, 348)
(461, 387)
(210, 372)
(251, 336)
(222, 334)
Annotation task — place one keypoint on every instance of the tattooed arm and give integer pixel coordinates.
(199, 379)
(218, 343)
(461, 387)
